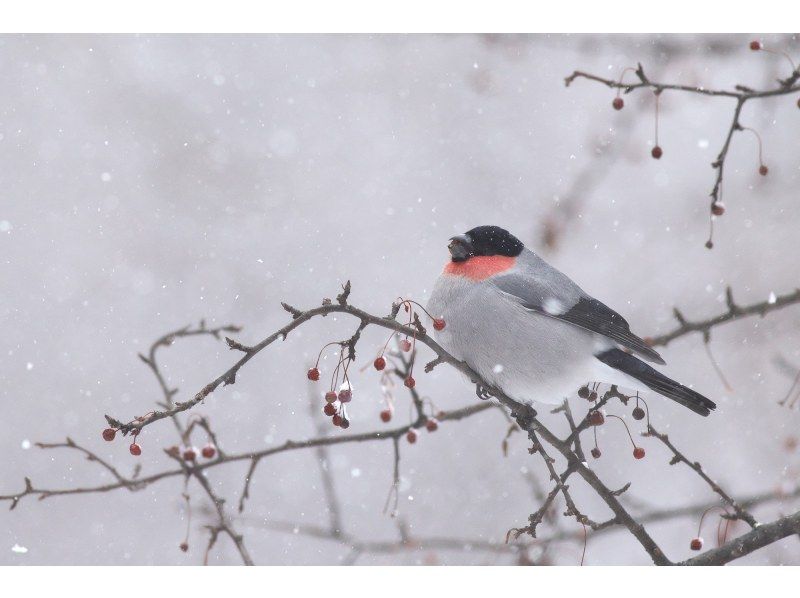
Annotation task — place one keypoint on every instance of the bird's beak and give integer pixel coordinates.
(460, 248)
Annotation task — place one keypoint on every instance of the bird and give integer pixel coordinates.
(527, 329)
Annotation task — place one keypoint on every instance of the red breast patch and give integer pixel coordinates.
(480, 267)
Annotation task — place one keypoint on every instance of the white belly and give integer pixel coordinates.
(531, 357)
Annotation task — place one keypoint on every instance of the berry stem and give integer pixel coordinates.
(717, 367)
(622, 75)
(626, 428)
(316, 365)
(585, 542)
(410, 302)
(646, 408)
(780, 53)
(657, 93)
(760, 145)
(703, 517)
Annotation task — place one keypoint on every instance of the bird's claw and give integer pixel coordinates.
(483, 392)
(525, 416)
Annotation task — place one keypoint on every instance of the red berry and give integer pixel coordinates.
(718, 208)
(593, 396)
(410, 382)
(331, 396)
(596, 453)
(432, 425)
(596, 418)
(190, 454)
(618, 103)
(763, 170)
(379, 363)
(709, 244)
(657, 152)
(638, 413)
(109, 434)
(337, 420)
(754, 45)
(184, 547)
(329, 410)
(638, 453)
(696, 544)
(405, 345)
(438, 324)
(313, 374)
(209, 451)
(583, 392)
(386, 416)
(135, 450)
(345, 423)
(411, 436)
(345, 395)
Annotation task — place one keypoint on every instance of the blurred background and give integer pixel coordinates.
(151, 181)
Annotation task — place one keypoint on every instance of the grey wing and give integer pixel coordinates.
(543, 289)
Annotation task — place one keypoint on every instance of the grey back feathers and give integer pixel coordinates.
(543, 289)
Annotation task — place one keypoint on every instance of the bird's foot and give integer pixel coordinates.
(484, 392)
(524, 416)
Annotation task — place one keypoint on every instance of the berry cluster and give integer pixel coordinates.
(188, 452)
(618, 104)
(431, 425)
(597, 417)
(109, 434)
(336, 400)
(340, 391)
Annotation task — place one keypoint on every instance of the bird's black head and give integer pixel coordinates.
(484, 240)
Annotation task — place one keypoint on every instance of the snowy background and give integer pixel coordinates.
(151, 181)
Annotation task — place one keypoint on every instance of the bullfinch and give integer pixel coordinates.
(529, 330)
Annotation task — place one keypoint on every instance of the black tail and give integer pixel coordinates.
(624, 362)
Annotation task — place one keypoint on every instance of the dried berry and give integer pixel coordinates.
(410, 382)
(331, 396)
(592, 396)
(696, 544)
(657, 152)
(337, 420)
(379, 363)
(345, 423)
(184, 547)
(432, 425)
(313, 374)
(345, 395)
(618, 103)
(135, 450)
(596, 418)
(583, 392)
(189, 454)
(638, 453)
(596, 453)
(386, 416)
(209, 451)
(411, 436)
(763, 170)
(329, 410)
(638, 413)
(405, 345)
(718, 208)
(755, 45)
(109, 434)
(438, 324)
